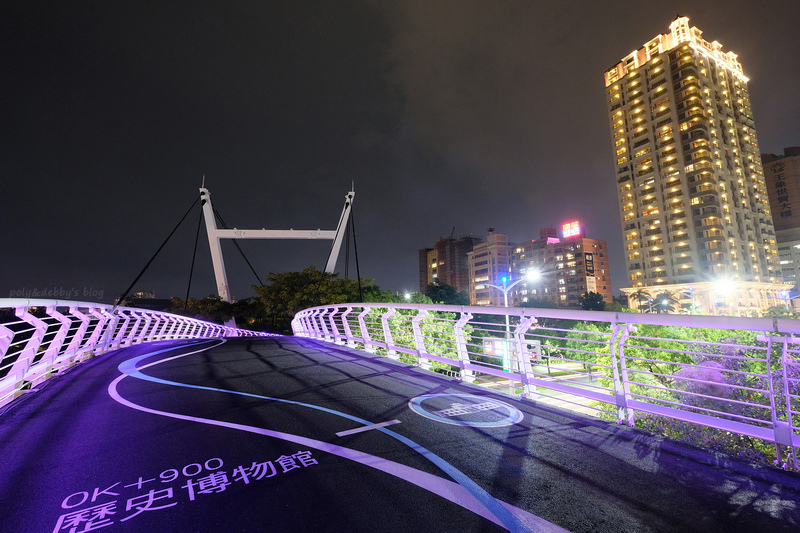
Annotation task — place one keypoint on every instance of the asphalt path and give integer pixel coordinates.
(290, 434)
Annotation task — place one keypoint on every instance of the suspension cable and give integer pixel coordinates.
(355, 251)
(194, 255)
(125, 294)
(219, 217)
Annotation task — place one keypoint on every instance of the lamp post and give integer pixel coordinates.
(531, 275)
(787, 298)
(691, 295)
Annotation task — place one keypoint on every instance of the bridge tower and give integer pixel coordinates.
(216, 234)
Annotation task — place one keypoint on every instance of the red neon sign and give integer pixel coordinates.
(571, 229)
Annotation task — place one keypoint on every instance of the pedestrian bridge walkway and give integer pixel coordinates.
(219, 431)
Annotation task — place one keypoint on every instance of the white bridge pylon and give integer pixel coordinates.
(215, 235)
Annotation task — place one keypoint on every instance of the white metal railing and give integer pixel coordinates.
(39, 338)
(734, 374)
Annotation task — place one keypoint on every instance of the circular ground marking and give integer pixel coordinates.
(465, 410)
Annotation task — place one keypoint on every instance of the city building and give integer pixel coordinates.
(488, 262)
(563, 269)
(692, 193)
(447, 263)
(783, 187)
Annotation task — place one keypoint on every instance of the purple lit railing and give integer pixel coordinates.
(740, 375)
(39, 338)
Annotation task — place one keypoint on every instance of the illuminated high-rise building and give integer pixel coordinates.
(693, 199)
(446, 263)
(488, 262)
(565, 268)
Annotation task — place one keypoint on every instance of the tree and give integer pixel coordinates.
(211, 308)
(780, 311)
(665, 301)
(442, 293)
(592, 301)
(617, 307)
(641, 295)
(287, 293)
(539, 303)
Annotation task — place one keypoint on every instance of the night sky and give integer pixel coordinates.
(443, 113)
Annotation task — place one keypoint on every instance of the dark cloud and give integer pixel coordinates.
(448, 113)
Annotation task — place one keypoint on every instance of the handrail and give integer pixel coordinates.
(40, 338)
(735, 374)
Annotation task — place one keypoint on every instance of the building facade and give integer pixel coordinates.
(783, 187)
(565, 268)
(488, 262)
(692, 193)
(446, 262)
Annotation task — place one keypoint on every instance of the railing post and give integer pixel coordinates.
(419, 339)
(6, 338)
(315, 328)
(461, 346)
(622, 391)
(119, 338)
(94, 340)
(348, 333)
(523, 359)
(58, 341)
(387, 333)
(77, 340)
(364, 331)
(303, 327)
(162, 334)
(131, 336)
(337, 337)
(322, 319)
(783, 430)
(110, 328)
(28, 353)
(153, 334)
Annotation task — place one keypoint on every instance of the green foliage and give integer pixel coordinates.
(436, 330)
(665, 302)
(211, 308)
(287, 293)
(592, 301)
(617, 307)
(539, 303)
(723, 441)
(780, 311)
(641, 296)
(442, 293)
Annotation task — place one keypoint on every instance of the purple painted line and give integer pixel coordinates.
(444, 488)
(367, 428)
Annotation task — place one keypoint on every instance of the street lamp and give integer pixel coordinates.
(723, 287)
(691, 295)
(531, 275)
(787, 298)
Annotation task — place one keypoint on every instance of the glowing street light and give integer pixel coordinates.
(723, 287)
(531, 275)
(787, 297)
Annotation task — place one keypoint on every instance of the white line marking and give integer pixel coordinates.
(367, 428)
